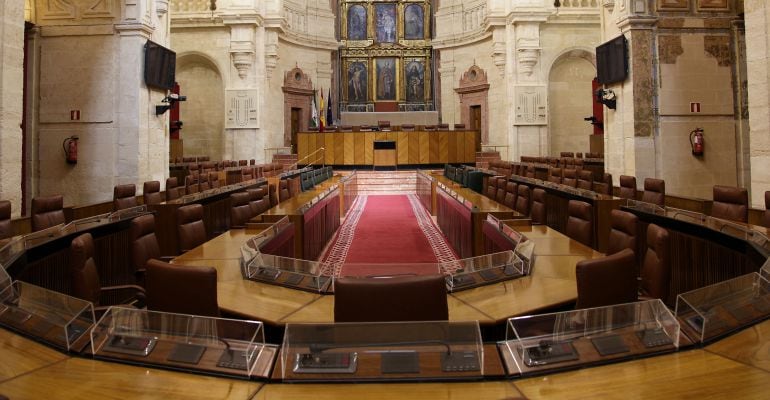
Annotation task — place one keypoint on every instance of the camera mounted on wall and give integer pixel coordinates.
(170, 100)
(606, 97)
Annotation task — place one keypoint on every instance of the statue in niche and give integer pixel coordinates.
(357, 82)
(386, 79)
(413, 22)
(385, 22)
(415, 81)
(357, 22)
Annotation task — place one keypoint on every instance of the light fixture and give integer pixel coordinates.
(557, 3)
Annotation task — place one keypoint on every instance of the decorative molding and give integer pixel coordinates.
(271, 52)
(609, 5)
(161, 7)
(528, 58)
(531, 105)
(296, 81)
(242, 61)
(242, 109)
(58, 10)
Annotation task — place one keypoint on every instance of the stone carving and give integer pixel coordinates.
(528, 58)
(531, 105)
(58, 9)
(242, 61)
(713, 5)
(719, 48)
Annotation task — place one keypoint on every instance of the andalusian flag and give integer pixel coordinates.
(314, 114)
(323, 113)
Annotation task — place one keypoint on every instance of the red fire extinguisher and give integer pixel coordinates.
(696, 141)
(70, 146)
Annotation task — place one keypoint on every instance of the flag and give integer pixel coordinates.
(322, 115)
(329, 116)
(314, 114)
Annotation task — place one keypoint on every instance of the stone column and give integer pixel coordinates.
(11, 94)
(757, 18)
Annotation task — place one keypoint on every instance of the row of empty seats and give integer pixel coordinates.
(386, 126)
(246, 205)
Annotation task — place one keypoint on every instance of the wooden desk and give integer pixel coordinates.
(21, 356)
(749, 346)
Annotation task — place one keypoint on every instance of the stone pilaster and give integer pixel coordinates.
(11, 93)
(757, 18)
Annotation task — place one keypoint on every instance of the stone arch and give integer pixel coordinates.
(203, 114)
(570, 77)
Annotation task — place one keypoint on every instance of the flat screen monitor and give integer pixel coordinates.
(159, 66)
(612, 61)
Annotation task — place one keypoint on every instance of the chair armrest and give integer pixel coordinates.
(123, 294)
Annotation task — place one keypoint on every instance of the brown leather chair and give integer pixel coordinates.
(622, 231)
(491, 189)
(182, 289)
(627, 187)
(511, 190)
(443, 127)
(522, 200)
(554, 175)
(240, 210)
(123, 196)
(190, 226)
(585, 180)
(656, 270)
(538, 206)
(151, 193)
(47, 212)
(602, 187)
(173, 189)
(502, 185)
(459, 127)
(579, 222)
(283, 192)
(203, 182)
(242, 163)
(402, 298)
(606, 281)
(530, 171)
(214, 181)
(567, 154)
(258, 200)
(730, 203)
(766, 215)
(144, 244)
(191, 184)
(84, 276)
(570, 177)
(654, 191)
(6, 230)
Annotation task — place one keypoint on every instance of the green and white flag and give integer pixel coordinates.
(314, 115)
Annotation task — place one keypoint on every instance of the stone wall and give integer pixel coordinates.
(11, 91)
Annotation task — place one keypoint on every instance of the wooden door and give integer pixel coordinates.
(475, 124)
(295, 118)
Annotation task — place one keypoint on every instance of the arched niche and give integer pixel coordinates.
(203, 114)
(474, 109)
(570, 94)
(297, 97)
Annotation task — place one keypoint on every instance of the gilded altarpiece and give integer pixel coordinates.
(386, 58)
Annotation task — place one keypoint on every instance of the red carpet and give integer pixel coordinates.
(387, 231)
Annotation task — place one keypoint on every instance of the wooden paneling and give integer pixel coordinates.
(414, 148)
(329, 146)
(470, 147)
(349, 149)
(452, 147)
(424, 148)
(339, 148)
(434, 144)
(443, 147)
(303, 148)
(369, 148)
(360, 149)
(402, 147)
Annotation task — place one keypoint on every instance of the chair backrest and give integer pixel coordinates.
(190, 226)
(191, 184)
(538, 206)
(606, 281)
(554, 175)
(402, 298)
(172, 189)
(6, 230)
(570, 177)
(144, 243)
(47, 212)
(766, 215)
(654, 191)
(240, 210)
(83, 272)
(622, 231)
(151, 193)
(214, 180)
(730, 203)
(522, 200)
(123, 196)
(182, 289)
(502, 185)
(655, 272)
(627, 187)
(585, 180)
(579, 222)
(491, 190)
(283, 192)
(511, 191)
(203, 182)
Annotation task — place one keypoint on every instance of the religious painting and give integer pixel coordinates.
(713, 5)
(672, 4)
(385, 22)
(386, 78)
(357, 22)
(414, 22)
(357, 82)
(415, 81)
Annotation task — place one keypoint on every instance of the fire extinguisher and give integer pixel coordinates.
(70, 146)
(696, 141)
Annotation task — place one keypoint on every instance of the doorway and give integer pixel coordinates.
(475, 124)
(295, 118)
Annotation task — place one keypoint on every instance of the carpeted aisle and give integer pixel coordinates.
(391, 229)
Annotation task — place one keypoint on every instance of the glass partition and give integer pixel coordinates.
(382, 351)
(765, 270)
(482, 270)
(128, 213)
(54, 318)
(194, 343)
(544, 343)
(35, 238)
(12, 250)
(716, 310)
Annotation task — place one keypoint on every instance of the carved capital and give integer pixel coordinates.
(242, 61)
(528, 58)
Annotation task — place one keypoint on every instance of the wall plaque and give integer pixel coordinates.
(242, 109)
